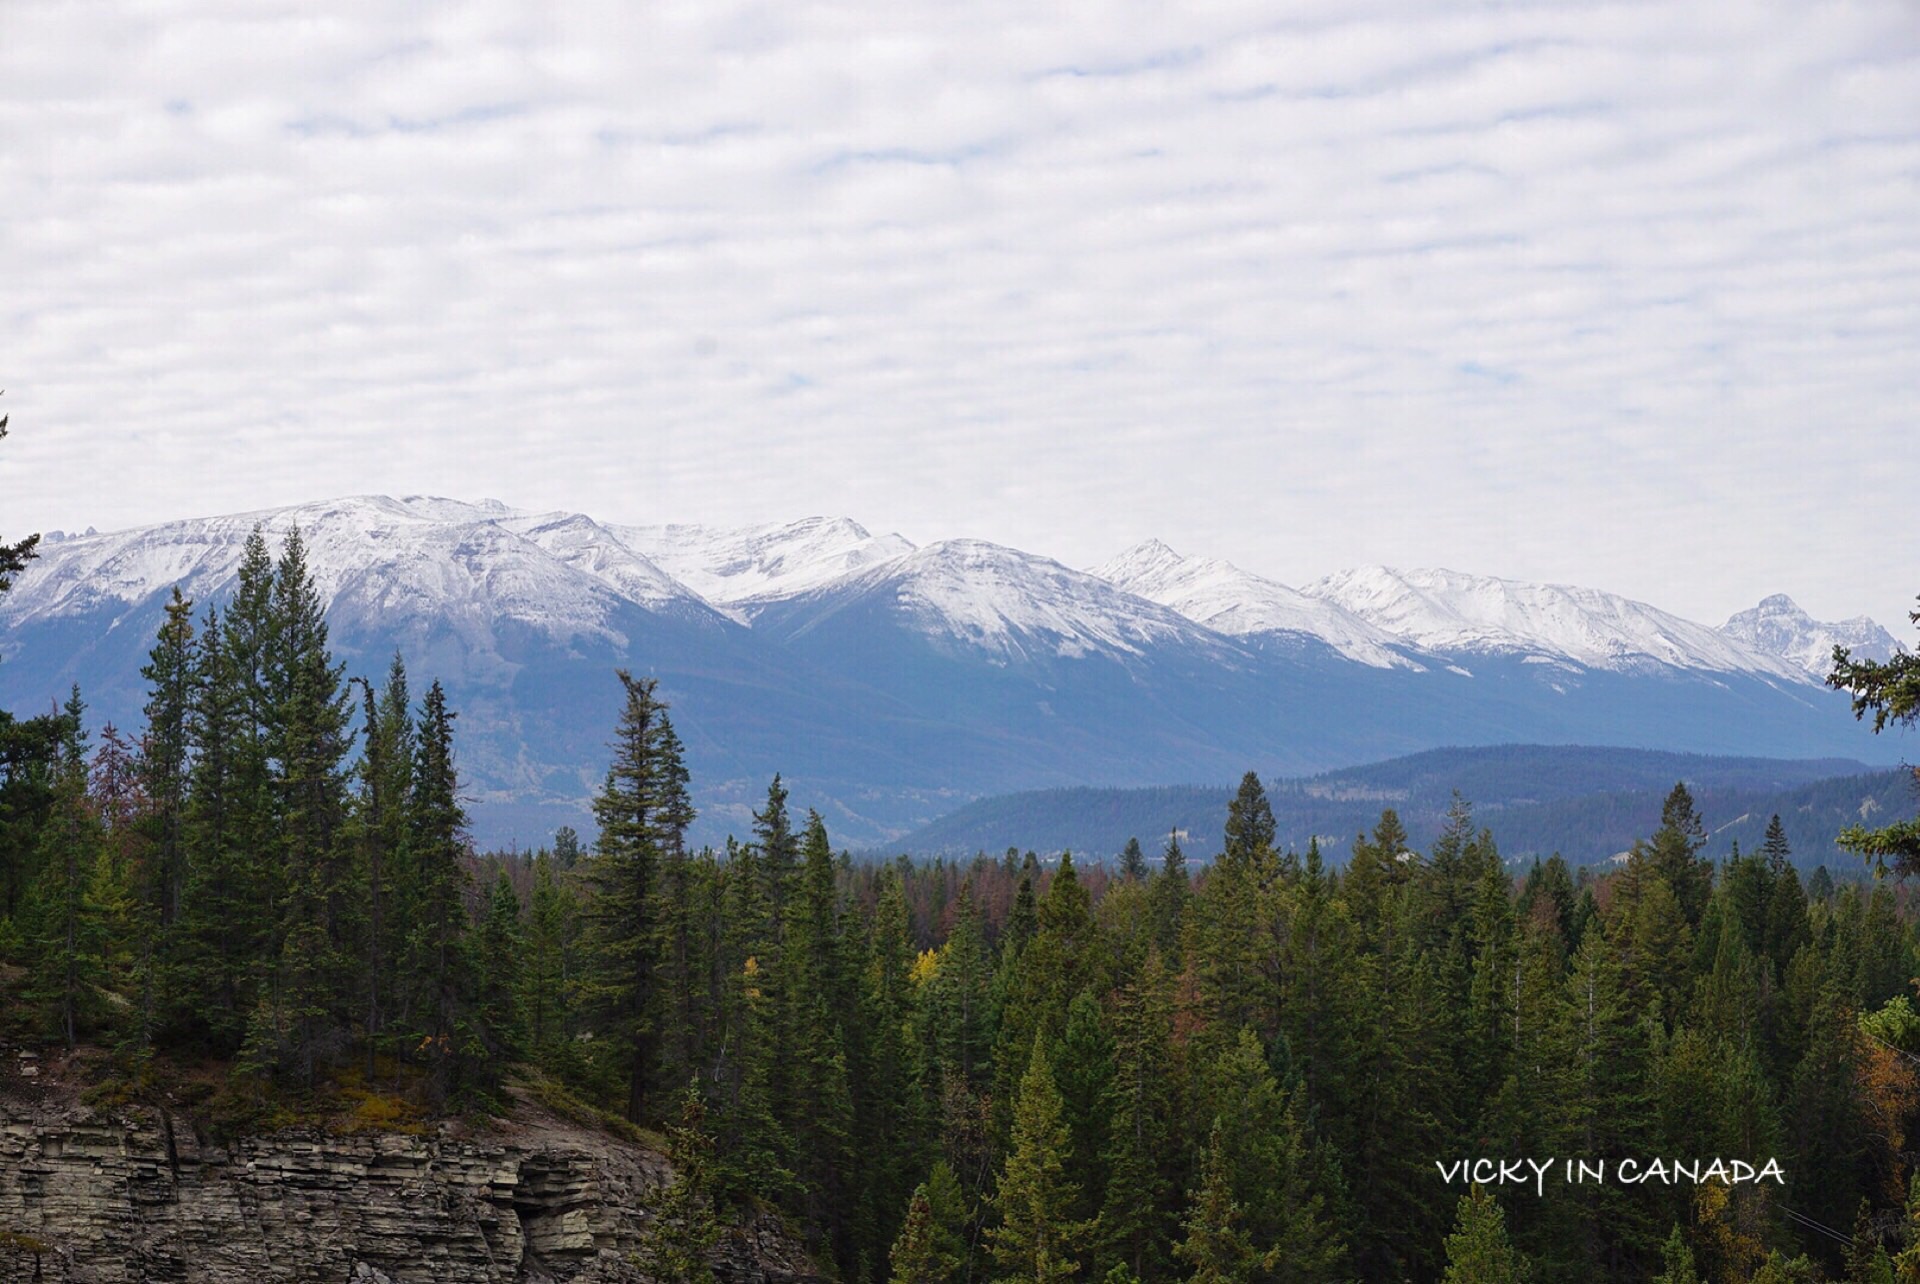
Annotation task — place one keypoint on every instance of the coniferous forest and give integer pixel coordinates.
(264, 902)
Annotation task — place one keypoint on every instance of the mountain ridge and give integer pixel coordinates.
(894, 681)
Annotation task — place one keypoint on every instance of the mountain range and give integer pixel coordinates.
(893, 683)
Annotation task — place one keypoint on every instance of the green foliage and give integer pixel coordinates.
(1891, 692)
(679, 1241)
(1037, 1239)
(1478, 1251)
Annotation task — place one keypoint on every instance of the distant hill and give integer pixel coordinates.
(1587, 803)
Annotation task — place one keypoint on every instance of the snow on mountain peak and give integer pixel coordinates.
(1450, 612)
(1779, 627)
(739, 567)
(1226, 599)
(370, 556)
(1017, 605)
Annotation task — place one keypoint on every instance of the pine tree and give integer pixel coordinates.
(1133, 862)
(1143, 1160)
(232, 907)
(1678, 1259)
(439, 962)
(498, 951)
(1891, 692)
(1250, 824)
(62, 919)
(386, 789)
(929, 1249)
(960, 1011)
(679, 1242)
(1083, 1069)
(818, 1094)
(307, 740)
(549, 973)
(170, 672)
(777, 850)
(1167, 901)
(1037, 1242)
(638, 810)
(890, 1119)
(1478, 1251)
(1674, 853)
(1217, 1245)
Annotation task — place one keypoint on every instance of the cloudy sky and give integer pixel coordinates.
(1617, 294)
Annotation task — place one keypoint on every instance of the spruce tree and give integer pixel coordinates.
(679, 1242)
(1133, 862)
(1478, 1251)
(63, 922)
(386, 788)
(439, 963)
(498, 951)
(641, 813)
(1217, 1245)
(1250, 824)
(1674, 853)
(548, 976)
(1167, 901)
(307, 739)
(171, 672)
(1143, 1158)
(1037, 1240)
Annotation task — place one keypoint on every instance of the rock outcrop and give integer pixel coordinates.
(132, 1195)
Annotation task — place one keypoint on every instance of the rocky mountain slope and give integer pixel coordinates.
(135, 1195)
(889, 683)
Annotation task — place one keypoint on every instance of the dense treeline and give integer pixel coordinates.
(1587, 815)
(981, 1070)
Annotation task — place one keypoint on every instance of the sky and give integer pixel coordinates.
(1624, 295)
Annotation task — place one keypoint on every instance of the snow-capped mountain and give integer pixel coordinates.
(375, 560)
(1013, 606)
(1778, 627)
(737, 569)
(1239, 603)
(1448, 613)
(889, 682)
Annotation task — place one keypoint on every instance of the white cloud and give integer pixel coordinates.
(1623, 294)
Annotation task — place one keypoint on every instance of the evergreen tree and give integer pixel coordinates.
(1133, 862)
(1478, 1251)
(929, 1249)
(498, 953)
(638, 811)
(1037, 1242)
(679, 1242)
(62, 919)
(307, 741)
(549, 973)
(1217, 1245)
(1674, 853)
(1891, 692)
(386, 790)
(171, 673)
(1250, 824)
(1167, 901)
(439, 964)
(1143, 1158)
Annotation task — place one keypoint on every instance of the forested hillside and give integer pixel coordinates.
(946, 1071)
(1586, 803)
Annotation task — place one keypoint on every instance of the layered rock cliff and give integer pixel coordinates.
(138, 1194)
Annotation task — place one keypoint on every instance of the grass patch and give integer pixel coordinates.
(557, 1097)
